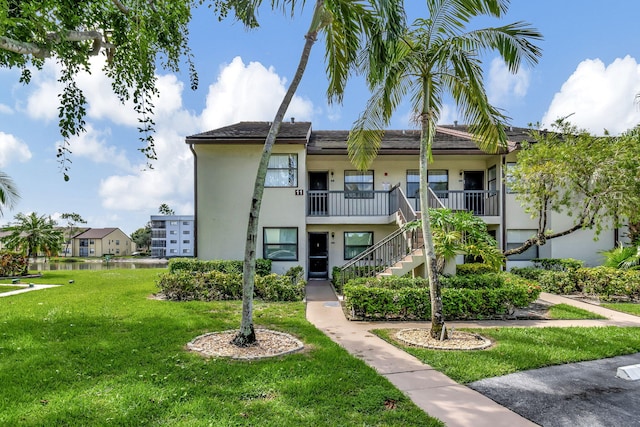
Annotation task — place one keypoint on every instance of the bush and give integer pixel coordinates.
(354, 273)
(474, 268)
(13, 264)
(408, 299)
(475, 281)
(263, 266)
(557, 264)
(216, 285)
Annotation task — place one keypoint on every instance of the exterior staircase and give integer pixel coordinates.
(399, 253)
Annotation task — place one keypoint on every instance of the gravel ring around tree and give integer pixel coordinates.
(269, 344)
(458, 340)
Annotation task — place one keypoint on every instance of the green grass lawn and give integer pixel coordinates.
(625, 307)
(566, 311)
(100, 352)
(519, 349)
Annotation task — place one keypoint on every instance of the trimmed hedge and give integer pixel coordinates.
(474, 268)
(216, 286)
(605, 282)
(557, 264)
(408, 299)
(263, 266)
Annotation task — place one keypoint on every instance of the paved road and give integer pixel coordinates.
(585, 394)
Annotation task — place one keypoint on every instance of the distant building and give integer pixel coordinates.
(97, 242)
(172, 236)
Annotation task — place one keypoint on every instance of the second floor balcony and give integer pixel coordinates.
(385, 203)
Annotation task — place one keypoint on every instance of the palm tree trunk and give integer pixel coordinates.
(246, 335)
(438, 329)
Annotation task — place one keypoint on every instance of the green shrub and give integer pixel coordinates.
(279, 288)
(13, 264)
(474, 268)
(216, 285)
(338, 278)
(557, 264)
(475, 281)
(263, 266)
(393, 301)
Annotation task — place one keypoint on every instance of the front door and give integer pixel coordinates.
(473, 196)
(318, 192)
(318, 256)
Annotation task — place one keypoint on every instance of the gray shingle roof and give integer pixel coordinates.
(450, 139)
(96, 233)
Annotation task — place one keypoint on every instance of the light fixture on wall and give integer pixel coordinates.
(333, 235)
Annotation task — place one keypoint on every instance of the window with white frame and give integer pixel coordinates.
(515, 239)
(282, 171)
(492, 179)
(356, 242)
(280, 244)
(358, 184)
(438, 181)
(413, 183)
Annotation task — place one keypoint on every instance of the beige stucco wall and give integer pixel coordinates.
(226, 176)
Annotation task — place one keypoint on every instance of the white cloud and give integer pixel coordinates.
(249, 92)
(43, 102)
(93, 145)
(503, 86)
(5, 109)
(599, 97)
(12, 149)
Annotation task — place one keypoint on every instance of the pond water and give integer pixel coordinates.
(93, 265)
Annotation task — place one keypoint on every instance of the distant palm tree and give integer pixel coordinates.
(434, 58)
(33, 234)
(8, 192)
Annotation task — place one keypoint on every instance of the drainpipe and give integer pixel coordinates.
(195, 201)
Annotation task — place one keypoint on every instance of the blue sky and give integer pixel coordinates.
(589, 69)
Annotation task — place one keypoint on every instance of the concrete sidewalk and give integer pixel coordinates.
(438, 395)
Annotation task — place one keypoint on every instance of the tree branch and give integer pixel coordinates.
(34, 49)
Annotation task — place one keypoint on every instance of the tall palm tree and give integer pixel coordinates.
(434, 58)
(33, 234)
(8, 192)
(347, 25)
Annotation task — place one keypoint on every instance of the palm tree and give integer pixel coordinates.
(33, 234)
(8, 192)
(346, 24)
(436, 57)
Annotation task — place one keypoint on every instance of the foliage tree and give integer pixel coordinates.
(589, 178)
(164, 209)
(131, 36)
(142, 237)
(348, 26)
(73, 219)
(436, 57)
(33, 234)
(8, 192)
(460, 233)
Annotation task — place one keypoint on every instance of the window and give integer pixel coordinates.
(280, 244)
(173, 251)
(186, 232)
(92, 251)
(358, 184)
(492, 179)
(186, 242)
(174, 242)
(185, 251)
(117, 251)
(173, 222)
(515, 238)
(508, 176)
(185, 222)
(413, 183)
(117, 242)
(92, 242)
(356, 242)
(282, 171)
(438, 180)
(174, 232)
